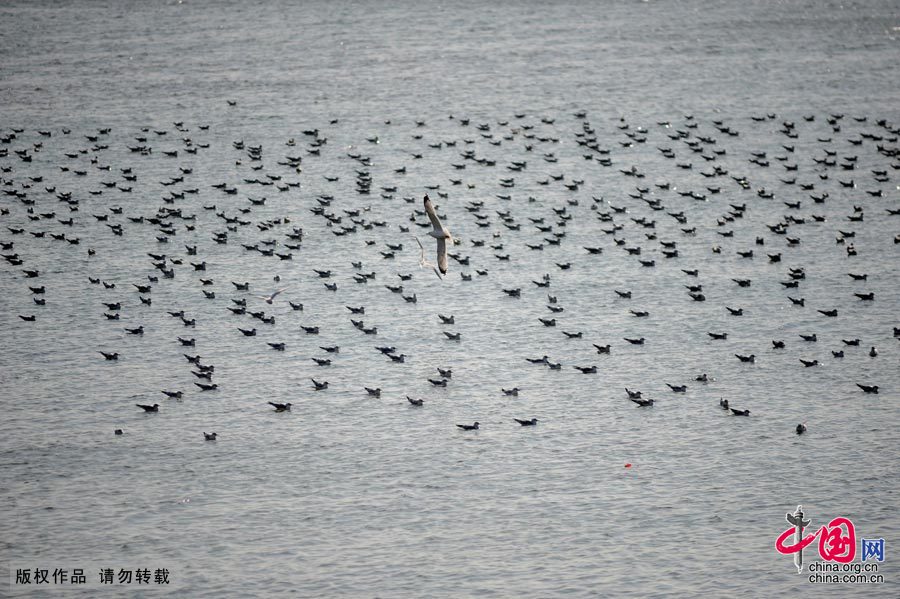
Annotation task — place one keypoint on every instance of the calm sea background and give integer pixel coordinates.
(351, 496)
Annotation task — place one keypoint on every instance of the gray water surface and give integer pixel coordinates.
(352, 496)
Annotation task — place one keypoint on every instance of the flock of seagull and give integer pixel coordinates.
(41, 213)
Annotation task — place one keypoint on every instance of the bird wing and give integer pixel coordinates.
(432, 216)
(274, 295)
(442, 255)
(421, 247)
(424, 262)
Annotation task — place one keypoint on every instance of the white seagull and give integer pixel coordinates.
(423, 262)
(270, 298)
(440, 233)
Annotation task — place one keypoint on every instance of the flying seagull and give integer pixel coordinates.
(440, 233)
(270, 298)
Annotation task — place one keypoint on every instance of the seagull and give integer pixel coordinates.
(468, 427)
(737, 412)
(440, 233)
(415, 402)
(270, 298)
(423, 262)
(280, 407)
(531, 422)
(153, 408)
(210, 436)
(643, 403)
(801, 428)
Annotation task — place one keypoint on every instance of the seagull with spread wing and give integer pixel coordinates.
(440, 233)
(270, 298)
